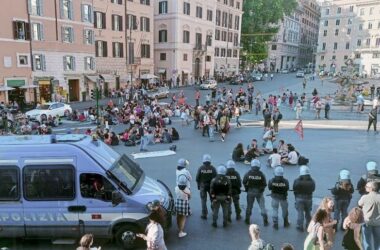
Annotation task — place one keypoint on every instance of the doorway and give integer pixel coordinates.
(74, 90)
(197, 68)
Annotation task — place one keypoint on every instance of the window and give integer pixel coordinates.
(145, 2)
(237, 22)
(101, 49)
(67, 34)
(327, 11)
(209, 15)
(132, 22)
(39, 62)
(145, 51)
(100, 20)
(67, 9)
(186, 36)
(359, 43)
(117, 50)
(230, 21)
(376, 55)
(89, 63)
(216, 51)
(117, 1)
(351, 8)
(368, 42)
(95, 186)
(185, 57)
(360, 26)
(186, 8)
(333, 57)
(224, 36)
(131, 53)
(323, 46)
(345, 57)
(337, 32)
(162, 36)
(238, 5)
(358, 55)
(335, 46)
(21, 30)
(232, 3)
(377, 41)
(144, 24)
(198, 12)
(49, 183)
(348, 31)
(325, 33)
(235, 53)
(230, 36)
(322, 58)
(36, 7)
(339, 10)
(10, 186)
(68, 63)
(349, 21)
(117, 23)
(236, 39)
(326, 23)
(162, 56)
(209, 40)
(87, 13)
(217, 18)
(347, 45)
(371, 10)
(88, 37)
(223, 52)
(274, 46)
(23, 60)
(163, 7)
(217, 35)
(362, 11)
(224, 19)
(369, 26)
(337, 22)
(37, 32)
(198, 40)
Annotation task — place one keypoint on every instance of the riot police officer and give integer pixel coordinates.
(279, 187)
(342, 194)
(372, 175)
(235, 180)
(303, 188)
(220, 189)
(204, 176)
(254, 182)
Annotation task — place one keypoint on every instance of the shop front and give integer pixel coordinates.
(18, 94)
(108, 83)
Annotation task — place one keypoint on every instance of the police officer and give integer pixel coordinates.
(342, 194)
(372, 175)
(235, 180)
(205, 174)
(279, 187)
(303, 188)
(254, 182)
(220, 190)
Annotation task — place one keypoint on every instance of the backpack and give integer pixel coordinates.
(280, 116)
(302, 160)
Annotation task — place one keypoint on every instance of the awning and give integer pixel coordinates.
(161, 71)
(6, 88)
(28, 87)
(44, 82)
(108, 78)
(15, 83)
(92, 78)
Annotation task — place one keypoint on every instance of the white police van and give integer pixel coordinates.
(61, 187)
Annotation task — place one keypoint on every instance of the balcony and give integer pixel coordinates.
(200, 47)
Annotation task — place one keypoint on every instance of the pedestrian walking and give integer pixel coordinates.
(303, 188)
(318, 108)
(206, 123)
(224, 125)
(220, 190)
(298, 108)
(372, 89)
(271, 76)
(197, 97)
(304, 83)
(371, 175)
(327, 109)
(372, 119)
(277, 116)
(154, 236)
(182, 206)
(342, 195)
(315, 239)
(235, 180)
(204, 176)
(370, 204)
(237, 113)
(279, 187)
(267, 116)
(254, 182)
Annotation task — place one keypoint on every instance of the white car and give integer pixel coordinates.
(208, 84)
(300, 73)
(284, 71)
(49, 108)
(159, 93)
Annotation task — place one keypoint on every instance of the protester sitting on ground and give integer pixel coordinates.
(86, 242)
(274, 159)
(292, 158)
(124, 136)
(238, 153)
(166, 137)
(282, 148)
(107, 139)
(268, 139)
(174, 133)
(114, 139)
(256, 242)
(256, 148)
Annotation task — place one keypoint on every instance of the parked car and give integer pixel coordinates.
(300, 74)
(159, 93)
(257, 76)
(50, 108)
(208, 84)
(284, 71)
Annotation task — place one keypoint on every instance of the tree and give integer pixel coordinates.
(260, 23)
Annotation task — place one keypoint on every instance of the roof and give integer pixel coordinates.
(39, 139)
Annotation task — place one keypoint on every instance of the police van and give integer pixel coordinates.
(62, 186)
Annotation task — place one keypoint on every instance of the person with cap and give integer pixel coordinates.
(183, 171)
(235, 180)
(342, 195)
(182, 206)
(155, 206)
(372, 175)
(279, 187)
(220, 190)
(303, 188)
(254, 182)
(205, 174)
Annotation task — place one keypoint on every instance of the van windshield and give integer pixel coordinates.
(127, 172)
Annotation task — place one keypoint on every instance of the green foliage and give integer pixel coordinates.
(260, 17)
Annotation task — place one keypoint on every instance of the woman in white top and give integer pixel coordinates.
(154, 233)
(256, 243)
(182, 205)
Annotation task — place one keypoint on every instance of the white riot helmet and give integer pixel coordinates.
(344, 175)
(371, 166)
(222, 170)
(304, 170)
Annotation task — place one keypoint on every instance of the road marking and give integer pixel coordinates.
(153, 154)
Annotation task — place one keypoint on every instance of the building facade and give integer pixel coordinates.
(227, 37)
(349, 29)
(309, 32)
(15, 57)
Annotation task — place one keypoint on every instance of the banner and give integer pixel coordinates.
(299, 129)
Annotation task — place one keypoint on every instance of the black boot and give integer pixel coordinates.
(286, 222)
(266, 223)
(247, 221)
(238, 217)
(275, 225)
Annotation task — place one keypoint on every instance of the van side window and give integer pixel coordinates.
(49, 182)
(9, 184)
(95, 186)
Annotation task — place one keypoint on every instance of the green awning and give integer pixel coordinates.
(15, 83)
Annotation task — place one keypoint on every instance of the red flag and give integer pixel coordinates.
(299, 129)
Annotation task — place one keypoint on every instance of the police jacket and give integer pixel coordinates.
(303, 187)
(254, 179)
(279, 187)
(235, 180)
(343, 190)
(363, 181)
(205, 174)
(220, 185)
